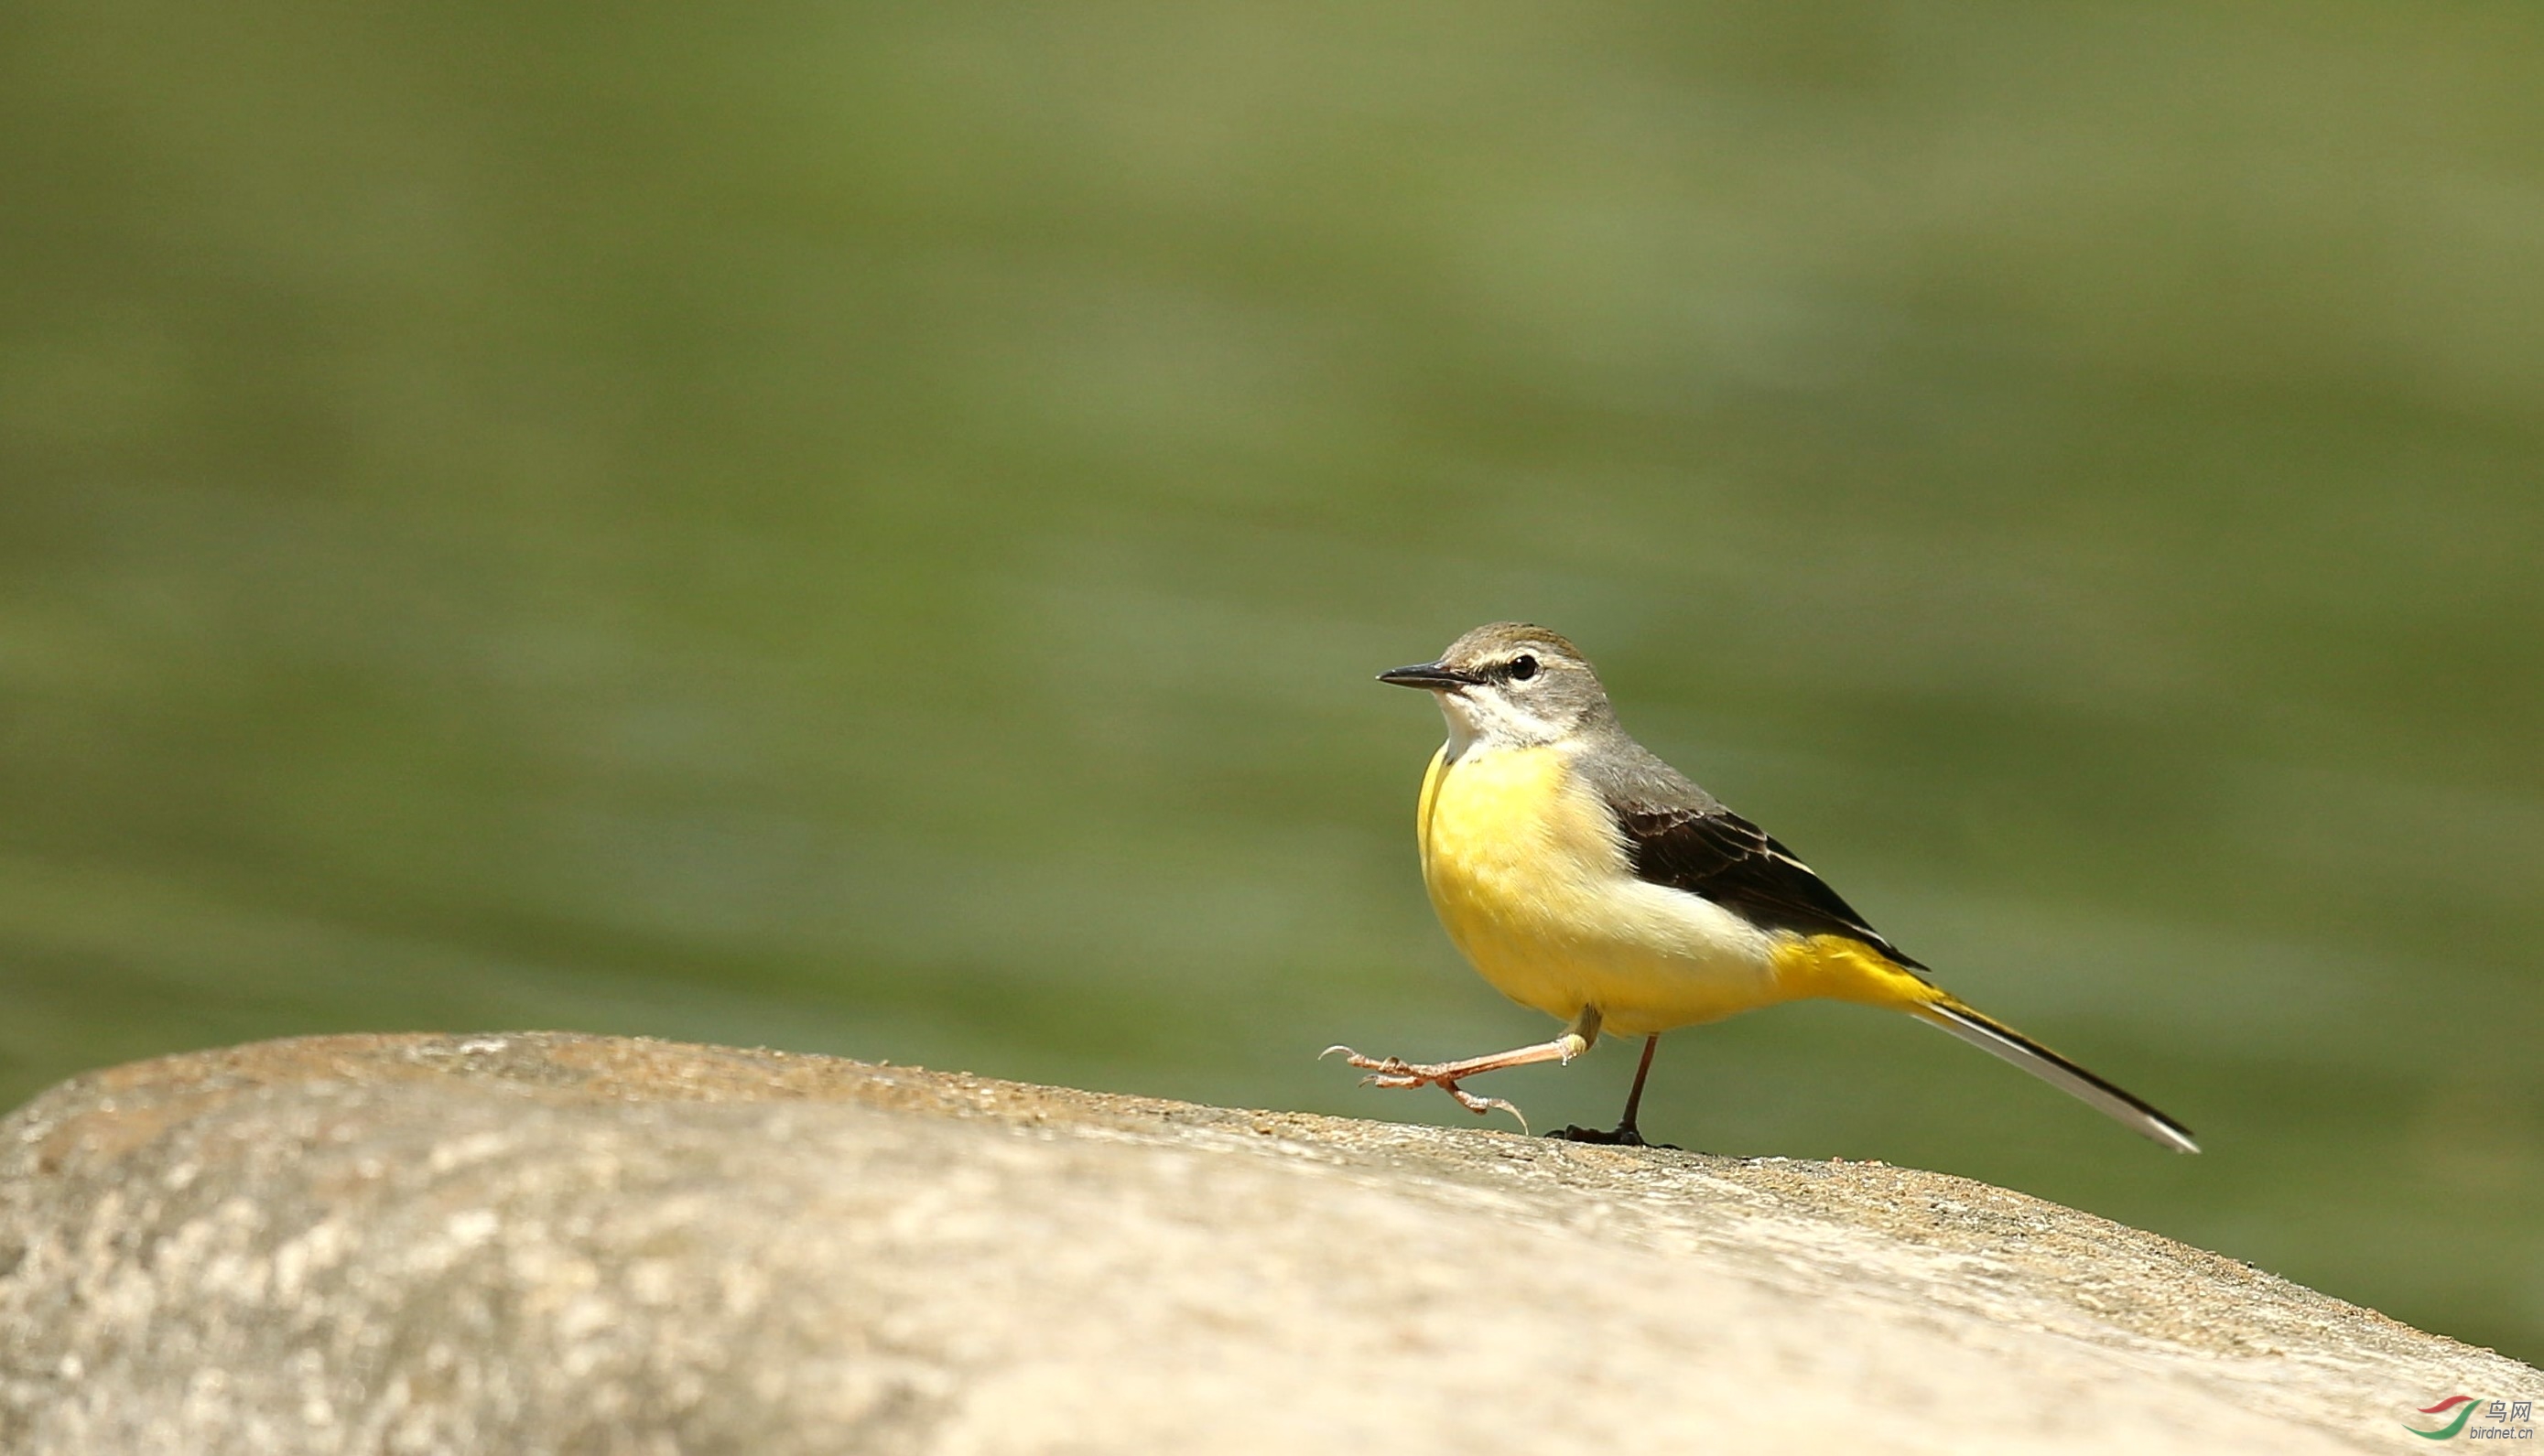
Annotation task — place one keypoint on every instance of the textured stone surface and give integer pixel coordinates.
(545, 1243)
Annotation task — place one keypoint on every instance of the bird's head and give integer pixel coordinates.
(1509, 685)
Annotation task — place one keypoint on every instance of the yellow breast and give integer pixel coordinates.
(1532, 882)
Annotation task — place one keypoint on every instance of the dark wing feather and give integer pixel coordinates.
(1715, 853)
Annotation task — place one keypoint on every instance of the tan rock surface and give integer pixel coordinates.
(550, 1243)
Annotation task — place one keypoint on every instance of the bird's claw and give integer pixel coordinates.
(1397, 1073)
(1622, 1137)
(1480, 1106)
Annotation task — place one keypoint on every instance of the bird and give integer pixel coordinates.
(1588, 880)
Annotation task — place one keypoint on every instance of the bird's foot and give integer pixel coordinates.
(1627, 1136)
(1396, 1071)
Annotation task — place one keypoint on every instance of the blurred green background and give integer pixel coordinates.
(867, 529)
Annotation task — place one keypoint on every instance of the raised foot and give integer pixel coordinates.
(1617, 1137)
(1396, 1071)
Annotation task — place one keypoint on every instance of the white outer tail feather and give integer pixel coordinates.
(2004, 1041)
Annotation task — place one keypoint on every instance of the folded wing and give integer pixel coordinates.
(1715, 853)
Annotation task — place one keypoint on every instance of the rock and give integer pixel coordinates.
(548, 1242)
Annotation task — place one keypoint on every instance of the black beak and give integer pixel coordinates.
(1435, 678)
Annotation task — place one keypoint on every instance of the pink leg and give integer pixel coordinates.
(1394, 1071)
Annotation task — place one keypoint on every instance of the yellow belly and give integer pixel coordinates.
(1533, 886)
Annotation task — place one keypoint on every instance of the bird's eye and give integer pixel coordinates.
(1523, 667)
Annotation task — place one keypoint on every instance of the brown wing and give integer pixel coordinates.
(1715, 853)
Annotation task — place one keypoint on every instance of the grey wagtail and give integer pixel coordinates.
(1589, 879)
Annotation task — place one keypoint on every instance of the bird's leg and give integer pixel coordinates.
(1396, 1071)
(1627, 1134)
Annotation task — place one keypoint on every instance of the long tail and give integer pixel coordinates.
(1993, 1036)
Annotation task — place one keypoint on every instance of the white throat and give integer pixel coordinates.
(1491, 721)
